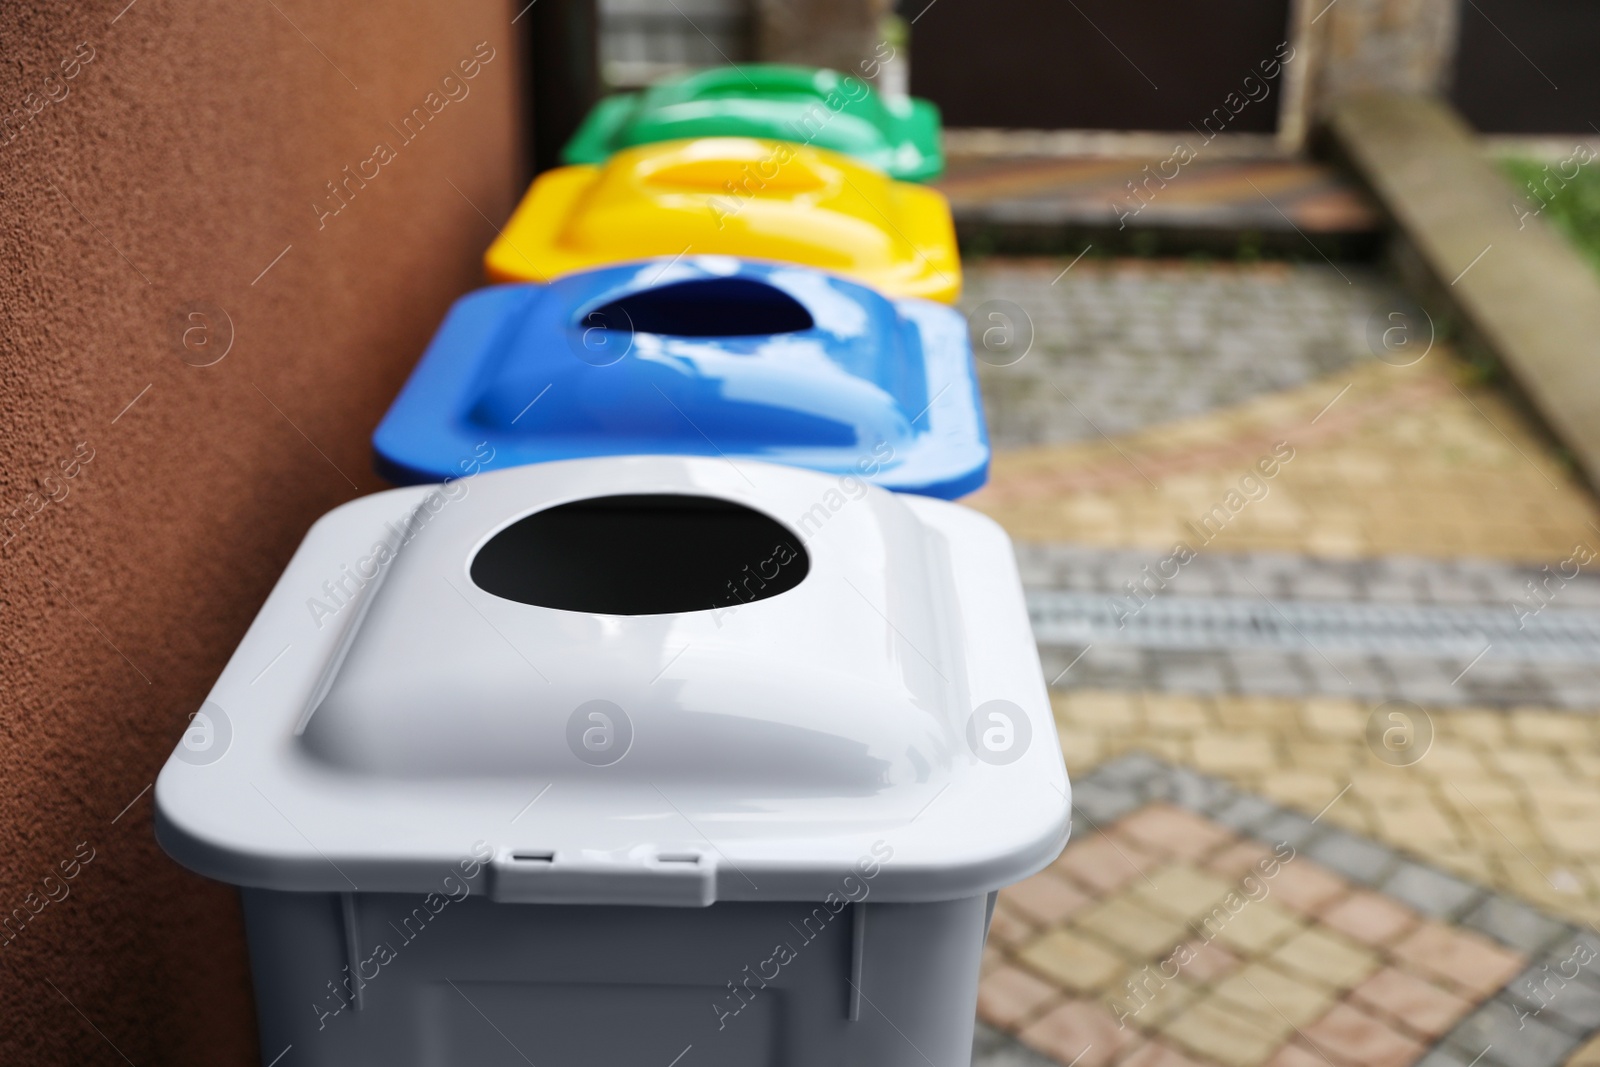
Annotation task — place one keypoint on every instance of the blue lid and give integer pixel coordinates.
(705, 355)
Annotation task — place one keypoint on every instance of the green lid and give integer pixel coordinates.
(821, 108)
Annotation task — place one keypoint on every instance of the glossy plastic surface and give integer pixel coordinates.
(733, 196)
(820, 373)
(822, 108)
(415, 718)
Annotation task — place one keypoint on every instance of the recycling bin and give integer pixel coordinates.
(638, 759)
(772, 101)
(702, 355)
(735, 196)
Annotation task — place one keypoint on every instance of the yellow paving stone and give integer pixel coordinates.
(1253, 928)
(1171, 749)
(1072, 961)
(1272, 995)
(1500, 829)
(1326, 540)
(1278, 516)
(1301, 788)
(1215, 1028)
(1325, 958)
(1181, 891)
(1419, 822)
(1328, 717)
(1528, 765)
(1546, 728)
(1105, 712)
(1127, 924)
(1485, 726)
(1333, 758)
(1577, 837)
(1469, 864)
(1385, 783)
(1482, 795)
(1234, 752)
(1452, 759)
(1175, 713)
(1082, 749)
(1236, 715)
(1557, 799)
(1146, 1000)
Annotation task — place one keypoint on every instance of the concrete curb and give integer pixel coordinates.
(1518, 286)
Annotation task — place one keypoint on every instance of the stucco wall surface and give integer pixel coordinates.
(164, 168)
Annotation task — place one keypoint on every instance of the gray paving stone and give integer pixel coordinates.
(1138, 348)
(1512, 1041)
(1259, 670)
(1564, 1003)
(1130, 770)
(1121, 659)
(1514, 923)
(1289, 826)
(1432, 891)
(1104, 804)
(1193, 790)
(1247, 813)
(1580, 949)
(1063, 665)
(1203, 672)
(1357, 858)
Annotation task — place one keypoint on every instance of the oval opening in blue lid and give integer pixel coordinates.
(706, 307)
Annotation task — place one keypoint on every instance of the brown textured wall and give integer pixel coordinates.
(163, 177)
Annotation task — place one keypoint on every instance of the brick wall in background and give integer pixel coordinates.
(165, 170)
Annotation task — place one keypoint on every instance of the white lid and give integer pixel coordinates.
(386, 718)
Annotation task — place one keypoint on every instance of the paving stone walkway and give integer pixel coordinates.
(1443, 812)
(1191, 922)
(1134, 345)
(1371, 458)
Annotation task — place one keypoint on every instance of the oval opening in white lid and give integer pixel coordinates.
(638, 554)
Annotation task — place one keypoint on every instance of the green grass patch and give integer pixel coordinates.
(1571, 204)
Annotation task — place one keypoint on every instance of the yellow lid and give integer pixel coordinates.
(733, 196)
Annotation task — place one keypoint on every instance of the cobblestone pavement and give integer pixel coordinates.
(1192, 922)
(1135, 345)
(1443, 811)
(1504, 800)
(1375, 460)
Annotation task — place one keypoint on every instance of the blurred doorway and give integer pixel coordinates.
(1528, 66)
(1093, 64)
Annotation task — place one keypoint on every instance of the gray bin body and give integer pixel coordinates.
(520, 771)
(487, 984)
